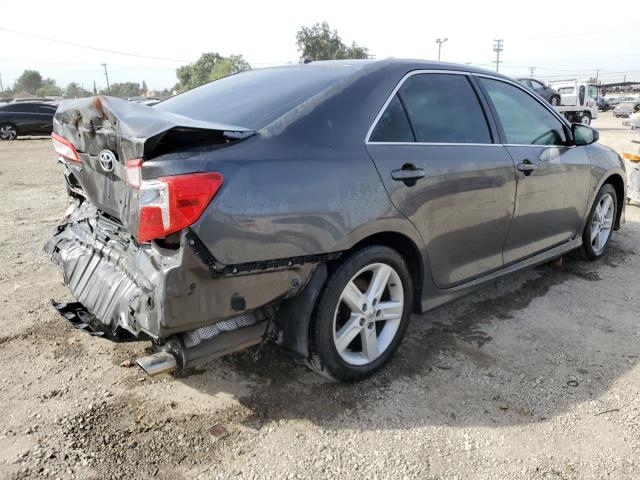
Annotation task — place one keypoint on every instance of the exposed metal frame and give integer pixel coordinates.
(466, 73)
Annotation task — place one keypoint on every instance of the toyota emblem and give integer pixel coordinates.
(107, 160)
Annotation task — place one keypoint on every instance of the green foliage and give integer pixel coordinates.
(123, 90)
(319, 42)
(29, 82)
(74, 90)
(49, 88)
(209, 67)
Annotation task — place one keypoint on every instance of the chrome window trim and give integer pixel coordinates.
(460, 72)
(437, 144)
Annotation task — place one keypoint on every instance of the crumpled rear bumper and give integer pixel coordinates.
(152, 292)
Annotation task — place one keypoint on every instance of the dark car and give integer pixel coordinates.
(317, 206)
(546, 92)
(25, 118)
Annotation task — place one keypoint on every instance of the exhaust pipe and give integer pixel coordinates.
(161, 362)
(214, 347)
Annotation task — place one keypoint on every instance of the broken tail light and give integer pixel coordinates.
(170, 204)
(64, 148)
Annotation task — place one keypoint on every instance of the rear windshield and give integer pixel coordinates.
(255, 98)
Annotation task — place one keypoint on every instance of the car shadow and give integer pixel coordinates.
(504, 355)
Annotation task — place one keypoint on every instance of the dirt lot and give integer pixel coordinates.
(534, 377)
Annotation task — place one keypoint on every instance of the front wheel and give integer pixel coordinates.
(597, 232)
(361, 315)
(585, 118)
(8, 132)
(554, 100)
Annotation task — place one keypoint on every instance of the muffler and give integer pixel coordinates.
(180, 357)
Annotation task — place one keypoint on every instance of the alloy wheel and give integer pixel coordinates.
(602, 223)
(368, 314)
(8, 132)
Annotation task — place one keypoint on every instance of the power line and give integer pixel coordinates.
(79, 45)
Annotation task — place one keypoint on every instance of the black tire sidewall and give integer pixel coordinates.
(588, 252)
(324, 356)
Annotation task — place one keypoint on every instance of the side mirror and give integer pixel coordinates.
(584, 135)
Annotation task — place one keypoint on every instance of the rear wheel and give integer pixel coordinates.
(8, 132)
(597, 232)
(585, 118)
(361, 315)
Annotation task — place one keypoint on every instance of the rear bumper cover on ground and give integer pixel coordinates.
(149, 292)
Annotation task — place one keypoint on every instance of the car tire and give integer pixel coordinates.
(351, 342)
(585, 118)
(8, 131)
(554, 100)
(597, 232)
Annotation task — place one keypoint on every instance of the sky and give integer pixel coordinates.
(560, 39)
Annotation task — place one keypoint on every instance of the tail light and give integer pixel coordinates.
(64, 148)
(170, 204)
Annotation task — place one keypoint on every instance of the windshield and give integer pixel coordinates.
(255, 98)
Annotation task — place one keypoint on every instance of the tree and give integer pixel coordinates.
(29, 82)
(123, 90)
(74, 90)
(319, 42)
(209, 67)
(49, 88)
(144, 88)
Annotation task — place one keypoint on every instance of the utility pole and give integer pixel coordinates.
(440, 41)
(531, 71)
(107, 77)
(497, 47)
(597, 74)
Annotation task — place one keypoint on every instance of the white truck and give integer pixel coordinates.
(578, 100)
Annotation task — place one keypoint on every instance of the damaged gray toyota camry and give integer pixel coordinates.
(317, 206)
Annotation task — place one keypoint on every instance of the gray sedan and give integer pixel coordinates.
(317, 206)
(545, 91)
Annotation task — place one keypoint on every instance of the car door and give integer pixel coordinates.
(433, 146)
(43, 115)
(553, 175)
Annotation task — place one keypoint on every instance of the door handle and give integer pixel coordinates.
(408, 174)
(526, 167)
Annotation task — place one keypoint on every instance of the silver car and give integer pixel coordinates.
(625, 109)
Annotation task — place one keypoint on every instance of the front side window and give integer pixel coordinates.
(443, 108)
(524, 120)
(593, 91)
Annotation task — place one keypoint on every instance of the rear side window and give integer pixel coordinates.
(524, 120)
(393, 125)
(443, 108)
(255, 98)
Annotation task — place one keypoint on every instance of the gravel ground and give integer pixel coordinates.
(534, 377)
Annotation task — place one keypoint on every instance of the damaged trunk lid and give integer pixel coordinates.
(105, 140)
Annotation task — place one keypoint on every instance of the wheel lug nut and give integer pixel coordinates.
(370, 326)
(362, 322)
(364, 307)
